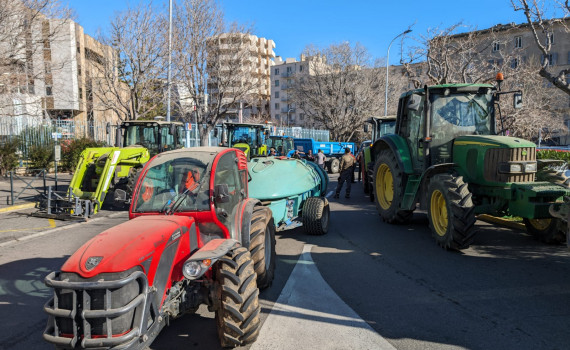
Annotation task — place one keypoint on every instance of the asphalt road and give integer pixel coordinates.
(364, 285)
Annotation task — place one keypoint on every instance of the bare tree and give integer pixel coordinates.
(132, 83)
(341, 90)
(451, 56)
(542, 29)
(540, 112)
(212, 64)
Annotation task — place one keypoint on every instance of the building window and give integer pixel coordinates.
(289, 69)
(276, 94)
(496, 46)
(276, 82)
(300, 68)
(47, 67)
(568, 57)
(552, 57)
(46, 44)
(302, 116)
(48, 91)
(514, 63)
(78, 47)
(518, 42)
(277, 116)
(80, 93)
(79, 70)
(276, 71)
(277, 106)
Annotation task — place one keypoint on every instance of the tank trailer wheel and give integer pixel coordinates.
(237, 318)
(549, 231)
(316, 215)
(262, 245)
(388, 189)
(451, 212)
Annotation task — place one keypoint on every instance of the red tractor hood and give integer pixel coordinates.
(126, 245)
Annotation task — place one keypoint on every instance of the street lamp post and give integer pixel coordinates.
(288, 112)
(387, 60)
(169, 78)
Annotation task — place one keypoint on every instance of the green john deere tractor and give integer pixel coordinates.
(103, 169)
(248, 137)
(445, 154)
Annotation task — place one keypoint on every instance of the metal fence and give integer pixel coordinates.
(31, 131)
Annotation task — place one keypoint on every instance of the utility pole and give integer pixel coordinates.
(387, 62)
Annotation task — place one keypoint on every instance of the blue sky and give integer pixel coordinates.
(293, 24)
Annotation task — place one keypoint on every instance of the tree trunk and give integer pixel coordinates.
(204, 137)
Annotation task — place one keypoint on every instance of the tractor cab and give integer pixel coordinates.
(380, 126)
(250, 138)
(203, 183)
(155, 135)
(281, 144)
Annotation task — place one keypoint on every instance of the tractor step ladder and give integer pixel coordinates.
(410, 191)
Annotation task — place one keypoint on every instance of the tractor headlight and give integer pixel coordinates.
(530, 167)
(193, 269)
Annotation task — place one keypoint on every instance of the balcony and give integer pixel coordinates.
(287, 110)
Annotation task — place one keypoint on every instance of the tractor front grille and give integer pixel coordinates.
(103, 311)
(495, 156)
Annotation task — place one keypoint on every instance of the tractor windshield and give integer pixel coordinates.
(145, 135)
(462, 114)
(243, 134)
(171, 176)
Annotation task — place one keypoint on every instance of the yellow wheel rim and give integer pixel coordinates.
(384, 186)
(438, 211)
(540, 224)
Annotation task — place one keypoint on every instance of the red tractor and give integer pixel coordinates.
(195, 237)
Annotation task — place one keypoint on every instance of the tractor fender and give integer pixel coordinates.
(398, 146)
(246, 214)
(214, 249)
(428, 174)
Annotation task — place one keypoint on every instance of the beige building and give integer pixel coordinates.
(284, 110)
(244, 66)
(67, 71)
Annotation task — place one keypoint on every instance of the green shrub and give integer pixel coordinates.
(8, 155)
(40, 157)
(71, 150)
(553, 154)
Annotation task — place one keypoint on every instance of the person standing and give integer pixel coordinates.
(310, 156)
(321, 158)
(347, 162)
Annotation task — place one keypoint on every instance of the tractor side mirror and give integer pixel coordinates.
(172, 129)
(221, 193)
(517, 100)
(414, 102)
(366, 127)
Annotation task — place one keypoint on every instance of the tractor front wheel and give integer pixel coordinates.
(388, 189)
(549, 231)
(451, 212)
(237, 316)
(262, 245)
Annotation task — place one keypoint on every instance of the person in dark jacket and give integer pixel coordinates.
(347, 162)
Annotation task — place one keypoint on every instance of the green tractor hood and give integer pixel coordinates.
(487, 141)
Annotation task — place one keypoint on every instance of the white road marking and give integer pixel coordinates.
(329, 194)
(309, 315)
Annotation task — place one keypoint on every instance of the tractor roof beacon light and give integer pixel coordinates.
(499, 79)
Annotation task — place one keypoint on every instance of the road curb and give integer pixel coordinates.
(502, 222)
(18, 207)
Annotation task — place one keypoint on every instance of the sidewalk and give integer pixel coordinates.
(27, 189)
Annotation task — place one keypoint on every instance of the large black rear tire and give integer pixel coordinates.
(551, 231)
(262, 245)
(316, 215)
(237, 317)
(388, 189)
(451, 212)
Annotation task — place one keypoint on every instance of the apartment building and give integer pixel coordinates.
(68, 71)
(54, 72)
(243, 71)
(284, 110)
